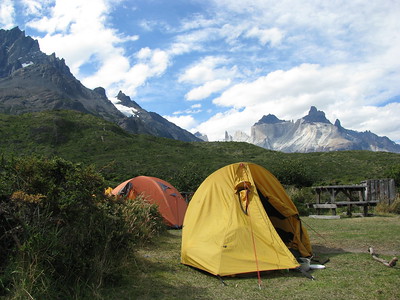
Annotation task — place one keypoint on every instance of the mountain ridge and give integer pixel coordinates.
(311, 133)
(32, 81)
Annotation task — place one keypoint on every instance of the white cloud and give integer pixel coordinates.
(205, 70)
(34, 7)
(297, 82)
(194, 109)
(231, 121)
(7, 14)
(72, 15)
(211, 74)
(186, 121)
(273, 36)
(112, 70)
(117, 74)
(157, 59)
(76, 31)
(190, 42)
(207, 89)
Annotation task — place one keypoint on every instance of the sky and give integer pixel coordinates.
(220, 65)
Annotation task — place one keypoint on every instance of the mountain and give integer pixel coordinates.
(143, 122)
(31, 81)
(201, 136)
(312, 133)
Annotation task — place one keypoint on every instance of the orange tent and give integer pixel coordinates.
(171, 205)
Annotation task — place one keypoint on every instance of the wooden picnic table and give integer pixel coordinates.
(355, 196)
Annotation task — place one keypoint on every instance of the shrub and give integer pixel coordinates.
(385, 207)
(293, 173)
(142, 219)
(301, 197)
(394, 172)
(189, 177)
(61, 236)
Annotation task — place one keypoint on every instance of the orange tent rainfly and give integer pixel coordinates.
(172, 206)
(241, 220)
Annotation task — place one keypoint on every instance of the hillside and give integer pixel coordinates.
(120, 155)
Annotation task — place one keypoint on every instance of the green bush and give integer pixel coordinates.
(61, 236)
(385, 207)
(136, 213)
(189, 177)
(301, 197)
(394, 172)
(291, 172)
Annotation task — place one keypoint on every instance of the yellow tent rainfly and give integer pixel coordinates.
(241, 220)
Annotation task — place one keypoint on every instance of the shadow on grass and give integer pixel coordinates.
(231, 280)
(155, 272)
(323, 254)
(324, 250)
(152, 284)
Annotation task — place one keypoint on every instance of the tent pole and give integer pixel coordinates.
(222, 281)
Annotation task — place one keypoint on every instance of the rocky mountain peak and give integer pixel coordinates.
(18, 51)
(127, 101)
(269, 119)
(316, 116)
(101, 91)
(201, 136)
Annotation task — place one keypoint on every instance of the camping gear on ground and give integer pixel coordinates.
(241, 220)
(171, 205)
(304, 263)
(316, 267)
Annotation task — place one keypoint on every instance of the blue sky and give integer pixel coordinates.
(220, 65)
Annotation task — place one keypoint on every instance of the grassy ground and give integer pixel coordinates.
(351, 273)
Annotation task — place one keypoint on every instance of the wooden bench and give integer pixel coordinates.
(320, 206)
(349, 204)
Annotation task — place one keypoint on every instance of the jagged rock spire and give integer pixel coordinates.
(269, 119)
(315, 115)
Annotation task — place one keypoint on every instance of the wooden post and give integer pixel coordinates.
(392, 191)
(318, 195)
(318, 199)
(332, 196)
(349, 210)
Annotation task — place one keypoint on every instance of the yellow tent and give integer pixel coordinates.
(241, 220)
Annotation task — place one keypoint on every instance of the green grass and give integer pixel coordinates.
(351, 273)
